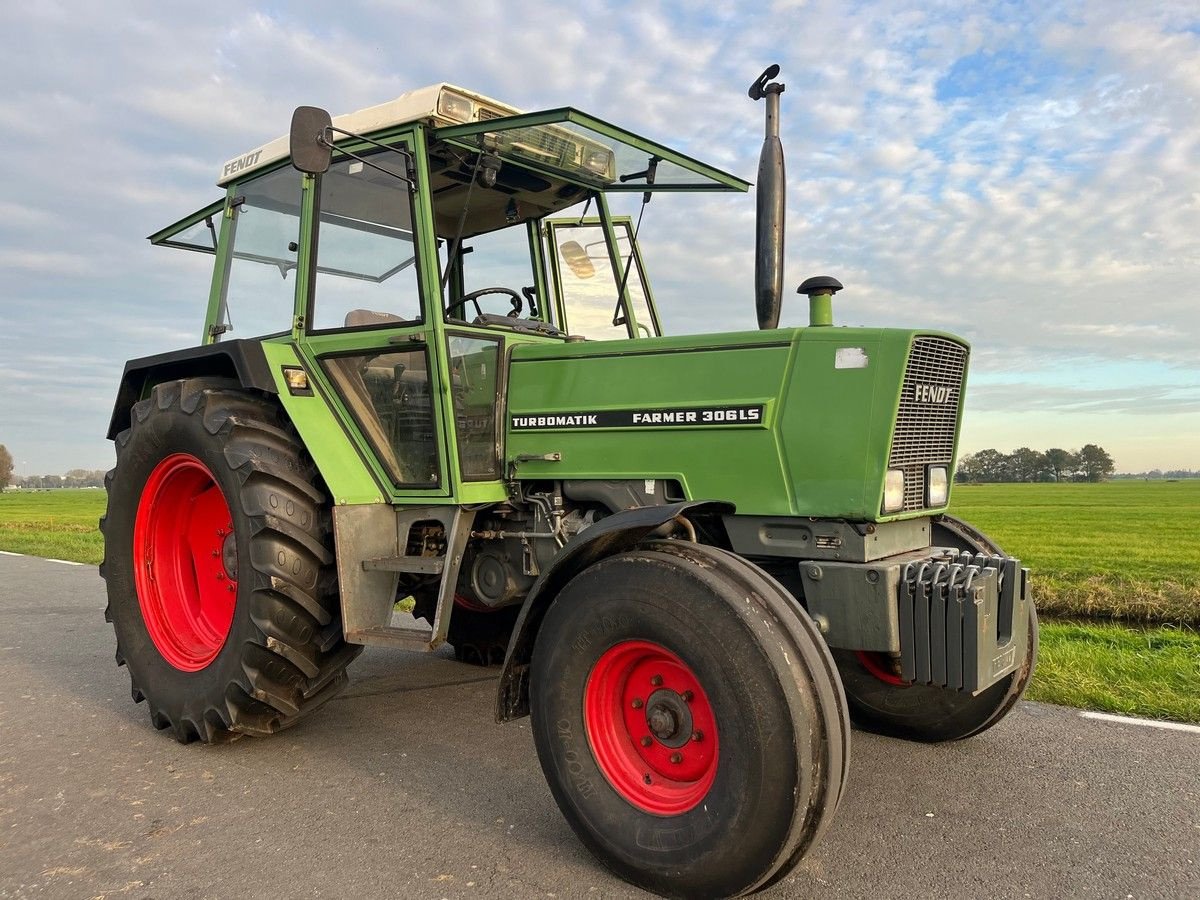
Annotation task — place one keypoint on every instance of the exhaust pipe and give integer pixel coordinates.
(771, 190)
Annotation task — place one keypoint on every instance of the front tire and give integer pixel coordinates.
(688, 719)
(221, 585)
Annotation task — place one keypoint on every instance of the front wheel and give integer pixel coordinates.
(221, 583)
(688, 719)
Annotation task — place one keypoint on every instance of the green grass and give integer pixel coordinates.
(1123, 549)
(56, 524)
(1153, 672)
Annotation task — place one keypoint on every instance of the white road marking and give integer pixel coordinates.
(65, 562)
(1150, 723)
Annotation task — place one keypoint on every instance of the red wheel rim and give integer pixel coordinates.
(185, 562)
(879, 665)
(651, 728)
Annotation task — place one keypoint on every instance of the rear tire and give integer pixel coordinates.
(221, 584)
(919, 712)
(688, 720)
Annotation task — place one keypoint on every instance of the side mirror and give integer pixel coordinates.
(577, 260)
(310, 148)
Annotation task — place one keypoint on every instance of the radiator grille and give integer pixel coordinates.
(929, 403)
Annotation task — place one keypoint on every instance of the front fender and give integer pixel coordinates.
(609, 536)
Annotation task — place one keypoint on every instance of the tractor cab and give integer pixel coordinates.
(429, 237)
(442, 206)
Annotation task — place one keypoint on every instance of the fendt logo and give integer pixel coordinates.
(931, 393)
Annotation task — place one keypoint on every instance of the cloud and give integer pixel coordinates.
(1024, 174)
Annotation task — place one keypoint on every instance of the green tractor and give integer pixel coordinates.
(432, 370)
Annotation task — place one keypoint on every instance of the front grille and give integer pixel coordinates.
(929, 403)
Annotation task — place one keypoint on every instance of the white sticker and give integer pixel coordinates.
(850, 358)
(354, 168)
(649, 487)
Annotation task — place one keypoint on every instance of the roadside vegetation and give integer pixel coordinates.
(1116, 568)
(1125, 550)
(60, 524)
(1152, 672)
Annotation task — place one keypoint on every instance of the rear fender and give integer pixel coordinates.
(242, 360)
(609, 536)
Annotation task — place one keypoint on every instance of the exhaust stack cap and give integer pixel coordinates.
(820, 290)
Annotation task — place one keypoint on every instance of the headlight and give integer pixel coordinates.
(937, 486)
(893, 491)
(455, 106)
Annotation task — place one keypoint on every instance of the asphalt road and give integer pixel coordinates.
(404, 787)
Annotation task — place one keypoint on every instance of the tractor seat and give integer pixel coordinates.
(365, 318)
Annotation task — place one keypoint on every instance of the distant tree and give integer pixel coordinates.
(993, 465)
(1094, 463)
(6, 467)
(967, 471)
(1027, 465)
(1060, 463)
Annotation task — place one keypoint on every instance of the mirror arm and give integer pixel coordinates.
(408, 178)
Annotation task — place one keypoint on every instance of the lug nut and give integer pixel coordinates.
(656, 680)
(687, 696)
(697, 735)
(647, 741)
(637, 703)
(677, 758)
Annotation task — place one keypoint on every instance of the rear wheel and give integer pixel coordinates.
(479, 634)
(688, 719)
(221, 584)
(882, 702)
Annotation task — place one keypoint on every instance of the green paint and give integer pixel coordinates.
(820, 309)
(822, 448)
(338, 458)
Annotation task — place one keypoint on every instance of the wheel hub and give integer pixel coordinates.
(668, 718)
(651, 727)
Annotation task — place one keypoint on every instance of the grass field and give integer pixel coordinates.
(56, 524)
(1123, 550)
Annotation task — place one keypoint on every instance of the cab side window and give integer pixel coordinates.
(366, 252)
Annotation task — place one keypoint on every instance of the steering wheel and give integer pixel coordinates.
(517, 303)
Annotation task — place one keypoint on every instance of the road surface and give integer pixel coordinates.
(404, 787)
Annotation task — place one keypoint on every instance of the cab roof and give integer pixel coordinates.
(564, 143)
(438, 104)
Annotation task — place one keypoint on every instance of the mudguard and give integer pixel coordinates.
(609, 536)
(240, 359)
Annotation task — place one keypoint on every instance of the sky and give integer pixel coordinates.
(1025, 174)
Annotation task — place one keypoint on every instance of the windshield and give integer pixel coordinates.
(588, 283)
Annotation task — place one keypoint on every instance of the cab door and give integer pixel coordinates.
(370, 323)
